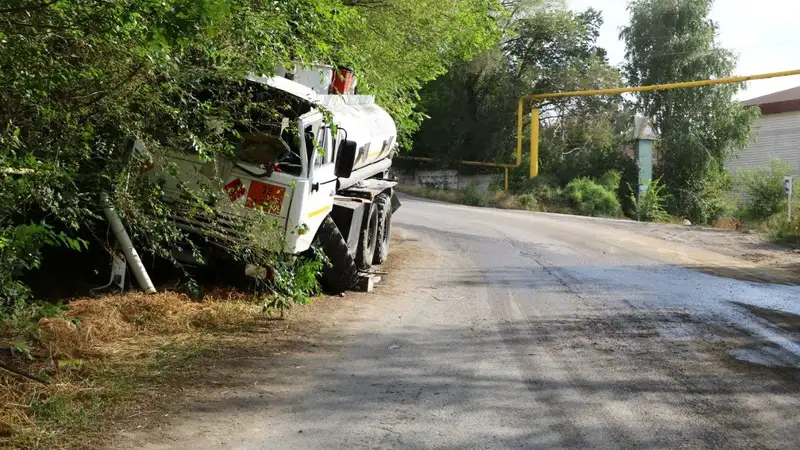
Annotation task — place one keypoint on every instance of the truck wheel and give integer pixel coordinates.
(384, 207)
(369, 236)
(340, 274)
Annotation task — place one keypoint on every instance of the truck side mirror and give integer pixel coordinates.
(348, 151)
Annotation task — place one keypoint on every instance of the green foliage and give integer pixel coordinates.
(472, 196)
(611, 180)
(707, 201)
(780, 230)
(81, 80)
(544, 48)
(764, 188)
(20, 251)
(674, 40)
(590, 198)
(649, 206)
(406, 43)
(528, 201)
(294, 280)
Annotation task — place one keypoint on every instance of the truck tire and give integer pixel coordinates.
(368, 239)
(340, 274)
(384, 206)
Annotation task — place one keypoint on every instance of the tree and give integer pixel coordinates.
(671, 41)
(406, 43)
(546, 48)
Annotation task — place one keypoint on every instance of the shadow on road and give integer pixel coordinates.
(644, 380)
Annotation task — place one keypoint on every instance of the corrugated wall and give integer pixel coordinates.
(774, 136)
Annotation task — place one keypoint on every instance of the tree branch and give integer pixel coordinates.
(28, 7)
(20, 373)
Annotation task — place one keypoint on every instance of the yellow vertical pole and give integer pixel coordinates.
(534, 141)
(505, 169)
(520, 123)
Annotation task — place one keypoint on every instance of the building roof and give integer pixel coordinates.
(777, 102)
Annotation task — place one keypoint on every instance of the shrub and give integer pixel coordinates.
(21, 250)
(611, 180)
(779, 229)
(649, 206)
(472, 196)
(764, 187)
(527, 201)
(592, 199)
(703, 200)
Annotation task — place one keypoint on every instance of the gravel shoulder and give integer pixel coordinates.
(752, 247)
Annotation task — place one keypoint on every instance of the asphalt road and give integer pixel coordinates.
(500, 329)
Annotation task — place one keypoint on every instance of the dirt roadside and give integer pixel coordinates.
(254, 364)
(471, 348)
(730, 254)
(759, 260)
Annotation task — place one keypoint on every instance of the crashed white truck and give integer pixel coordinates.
(325, 181)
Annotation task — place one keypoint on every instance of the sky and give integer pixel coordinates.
(764, 33)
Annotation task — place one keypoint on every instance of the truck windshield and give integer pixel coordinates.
(262, 149)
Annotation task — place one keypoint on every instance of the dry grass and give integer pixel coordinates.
(728, 223)
(116, 349)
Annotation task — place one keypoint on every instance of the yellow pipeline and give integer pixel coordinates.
(687, 84)
(534, 169)
(658, 87)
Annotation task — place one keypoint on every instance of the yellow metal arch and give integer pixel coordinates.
(536, 98)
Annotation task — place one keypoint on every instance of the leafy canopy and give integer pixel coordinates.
(674, 40)
(82, 78)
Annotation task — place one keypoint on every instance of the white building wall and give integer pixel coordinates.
(449, 179)
(775, 136)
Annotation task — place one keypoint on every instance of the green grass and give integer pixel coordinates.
(495, 199)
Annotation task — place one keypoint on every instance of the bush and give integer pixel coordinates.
(764, 187)
(704, 200)
(472, 196)
(649, 206)
(611, 180)
(527, 201)
(779, 229)
(20, 251)
(592, 199)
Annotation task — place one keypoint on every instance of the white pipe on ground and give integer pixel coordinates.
(134, 262)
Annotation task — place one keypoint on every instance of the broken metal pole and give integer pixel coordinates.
(132, 257)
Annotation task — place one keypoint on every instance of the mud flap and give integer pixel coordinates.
(395, 202)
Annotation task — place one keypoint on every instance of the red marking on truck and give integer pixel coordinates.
(235, 190)
(265, 196)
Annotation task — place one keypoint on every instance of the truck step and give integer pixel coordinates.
(366, 282)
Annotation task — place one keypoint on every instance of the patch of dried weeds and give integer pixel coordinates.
(105, 352)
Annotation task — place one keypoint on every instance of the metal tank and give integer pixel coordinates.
(366, 124)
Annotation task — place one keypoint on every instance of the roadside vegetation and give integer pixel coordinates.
(763, 210)
(105, 359)
(82, 82)
(550, 48)
(582, 196)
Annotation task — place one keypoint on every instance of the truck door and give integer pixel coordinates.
(320, 147)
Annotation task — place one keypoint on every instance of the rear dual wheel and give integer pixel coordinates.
(383, 204)
(368, 239)
(340, 273)
(374, 245)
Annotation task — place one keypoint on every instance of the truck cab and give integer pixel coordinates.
(320, 178)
